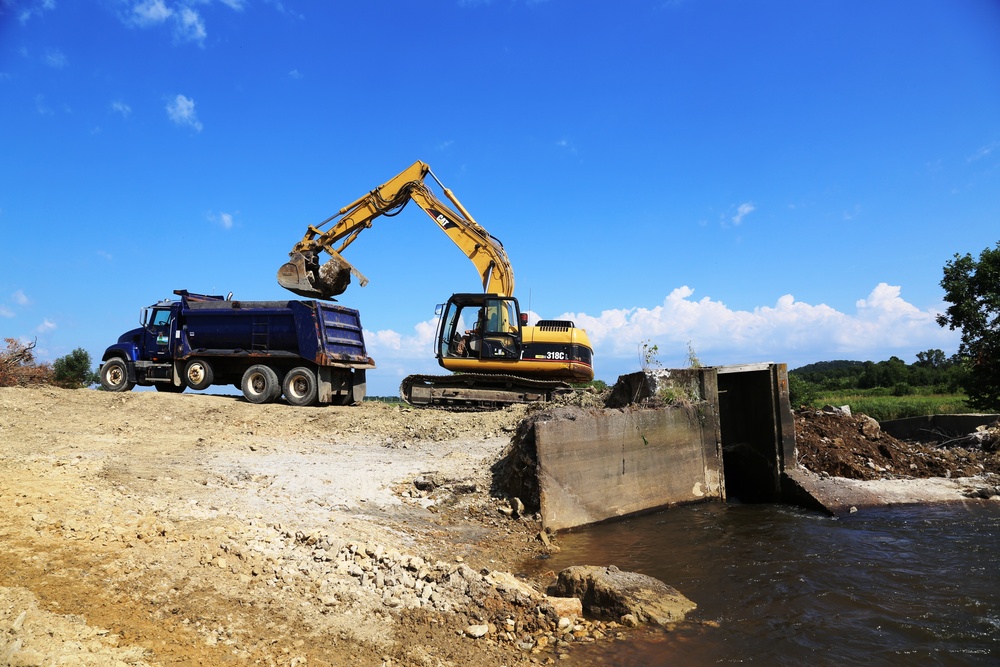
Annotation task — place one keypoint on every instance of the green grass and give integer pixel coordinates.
(876, 404)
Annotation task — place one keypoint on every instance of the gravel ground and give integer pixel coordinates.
(153, 529)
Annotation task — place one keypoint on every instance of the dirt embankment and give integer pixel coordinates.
(849, 462)
(855, 447)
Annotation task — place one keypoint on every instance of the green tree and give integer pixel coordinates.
(73, 371)
(973, 288)
(931, 359)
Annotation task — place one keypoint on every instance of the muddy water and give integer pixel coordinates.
(917, 585)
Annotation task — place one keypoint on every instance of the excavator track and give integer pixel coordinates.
(477, 391)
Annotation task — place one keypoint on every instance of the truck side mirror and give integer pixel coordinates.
(524, 319)
(438, 309)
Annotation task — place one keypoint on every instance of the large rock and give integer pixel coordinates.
(608, 592)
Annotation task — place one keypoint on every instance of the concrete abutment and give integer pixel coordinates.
(666, 437)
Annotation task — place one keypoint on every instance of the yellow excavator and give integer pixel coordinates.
(483, 338)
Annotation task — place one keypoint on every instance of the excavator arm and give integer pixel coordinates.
(304, 275)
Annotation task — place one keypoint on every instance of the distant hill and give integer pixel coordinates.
(828, 367)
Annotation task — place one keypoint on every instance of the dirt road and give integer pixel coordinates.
(149, 529)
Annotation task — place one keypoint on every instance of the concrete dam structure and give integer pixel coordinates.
(665, 437)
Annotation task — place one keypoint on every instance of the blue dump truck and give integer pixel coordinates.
(313, 352)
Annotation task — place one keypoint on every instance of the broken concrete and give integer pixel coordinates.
(610, 593)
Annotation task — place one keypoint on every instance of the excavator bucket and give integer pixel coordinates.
(303, 275)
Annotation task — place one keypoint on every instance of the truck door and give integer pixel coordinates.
(159, 330)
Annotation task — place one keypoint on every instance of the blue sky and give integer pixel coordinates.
(767, 181)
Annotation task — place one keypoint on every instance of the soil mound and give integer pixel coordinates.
(853, 446)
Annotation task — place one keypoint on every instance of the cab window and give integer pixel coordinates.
(161, 318)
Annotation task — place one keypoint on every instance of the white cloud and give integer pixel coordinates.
(295, 74)
(282, 9)
(20, 298)
(42, 108)
(850, 215)
(105, 255)
(32, 9)
(224, 220)
(181, 111)
(236, 5)
(567, 145)
(742, 211)
(122, 108)
(984, 151)
(389, 344)
(190, 26)
(46, 326)
(789, 331)
(5, 311)
(54, 58)
(150, 12)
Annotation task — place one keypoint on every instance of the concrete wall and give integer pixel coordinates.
(604, 464)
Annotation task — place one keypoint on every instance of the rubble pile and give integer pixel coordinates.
(837, 443)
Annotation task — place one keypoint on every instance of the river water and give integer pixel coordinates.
(911, 585)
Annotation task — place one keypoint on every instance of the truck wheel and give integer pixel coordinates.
(114, 375)
(198, 374)
(300, 386)
(260, 384)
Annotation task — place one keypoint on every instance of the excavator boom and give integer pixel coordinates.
(304, 275)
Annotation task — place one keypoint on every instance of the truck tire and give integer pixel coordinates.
(114, 375)
(300, 386)
(260, 384)
(198, 374)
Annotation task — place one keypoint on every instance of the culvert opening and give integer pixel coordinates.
(751, 432)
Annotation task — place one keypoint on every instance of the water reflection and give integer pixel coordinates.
(777, 585)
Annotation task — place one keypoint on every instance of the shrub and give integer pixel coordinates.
(902, 389)
(801, 392)
(73, 371)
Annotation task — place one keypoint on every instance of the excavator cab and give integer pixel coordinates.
(479, 327)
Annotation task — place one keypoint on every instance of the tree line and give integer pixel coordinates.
(933, 371)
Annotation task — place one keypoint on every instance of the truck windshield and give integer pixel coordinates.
(160, 318)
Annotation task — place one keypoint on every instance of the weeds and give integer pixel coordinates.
(882, 405)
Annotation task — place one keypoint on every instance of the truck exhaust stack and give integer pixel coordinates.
(303, 275)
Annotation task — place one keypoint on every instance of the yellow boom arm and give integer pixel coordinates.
(304, 275)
